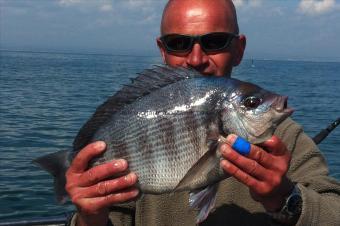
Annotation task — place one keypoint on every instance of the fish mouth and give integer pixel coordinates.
(281, 106)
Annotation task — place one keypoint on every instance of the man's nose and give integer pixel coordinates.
(197, 58)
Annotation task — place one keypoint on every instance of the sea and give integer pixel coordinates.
(46, 97)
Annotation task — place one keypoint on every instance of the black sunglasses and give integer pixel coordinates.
(210, 42)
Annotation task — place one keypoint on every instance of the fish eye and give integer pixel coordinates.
(252, 102)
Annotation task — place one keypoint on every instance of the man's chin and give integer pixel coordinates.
(207, 73)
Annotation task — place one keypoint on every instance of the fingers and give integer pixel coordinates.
(101, 172)
(93, 205)
(261, 168)
(94, 189)
(240, 175)
(274, 145)
(92, 199)
(255, 153)
(80, 162)
(120, 197)
(261, 156)
(107, 187)
(275, 152)
(261, 171)
(248, 165)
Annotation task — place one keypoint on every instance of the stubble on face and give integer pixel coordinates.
(197, 17)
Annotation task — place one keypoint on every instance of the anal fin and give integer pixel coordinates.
(204, 201)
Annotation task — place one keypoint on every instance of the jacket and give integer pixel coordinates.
(234, 205)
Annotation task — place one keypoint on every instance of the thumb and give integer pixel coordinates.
(274, 145)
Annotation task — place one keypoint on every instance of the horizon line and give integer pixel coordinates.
(278, 58)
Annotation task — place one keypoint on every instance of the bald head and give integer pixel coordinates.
(220, 14)
(196, 18)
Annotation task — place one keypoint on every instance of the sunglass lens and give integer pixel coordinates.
(216, 41)
(177, 42)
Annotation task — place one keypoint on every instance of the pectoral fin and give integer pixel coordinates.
(200, 169)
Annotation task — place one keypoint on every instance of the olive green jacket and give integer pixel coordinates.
(234, 206)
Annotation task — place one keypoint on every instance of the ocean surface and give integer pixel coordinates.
(46, 97)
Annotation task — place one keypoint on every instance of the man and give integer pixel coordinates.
(286, 169)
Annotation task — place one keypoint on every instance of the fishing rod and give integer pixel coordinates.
(325, 132)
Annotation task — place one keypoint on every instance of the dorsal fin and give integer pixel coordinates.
(146, 82)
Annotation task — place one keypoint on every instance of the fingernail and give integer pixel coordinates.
(224, 149)
(231, 139)
(225, 164)
(100, 145)
(130, 177)
(120, 163)
(135, 192)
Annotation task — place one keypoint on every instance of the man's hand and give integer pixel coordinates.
(263, 170)
(93, 190)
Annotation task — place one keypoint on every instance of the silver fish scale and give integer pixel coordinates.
(161, 136)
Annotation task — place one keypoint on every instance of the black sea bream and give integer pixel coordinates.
(167, 124)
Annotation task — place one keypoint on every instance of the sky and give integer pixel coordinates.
(275, 29)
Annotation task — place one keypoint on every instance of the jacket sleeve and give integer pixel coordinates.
(320, 192)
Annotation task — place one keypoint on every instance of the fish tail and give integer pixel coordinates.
(56, 164)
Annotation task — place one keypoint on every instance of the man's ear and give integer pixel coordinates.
(161, 48)
(240, 46)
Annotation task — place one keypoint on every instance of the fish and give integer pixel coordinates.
(168, 124)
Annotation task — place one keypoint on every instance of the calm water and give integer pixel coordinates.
(46, 97)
